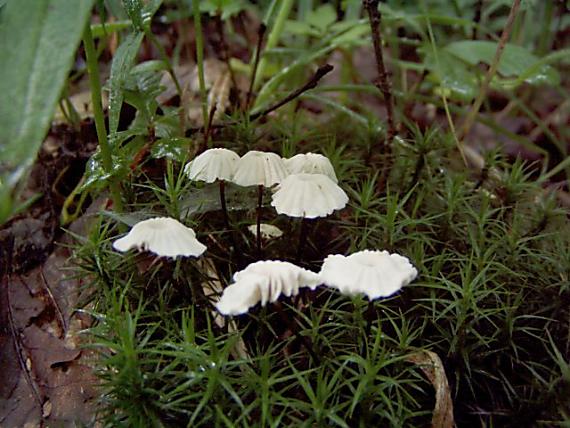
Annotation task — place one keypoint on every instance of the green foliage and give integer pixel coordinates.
(37, 45)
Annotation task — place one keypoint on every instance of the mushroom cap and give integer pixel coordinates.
(308, 196)
(374, 273)
(259, 168)
(311, 163)
(162, 236)
(268, 231)
(263, 282)
(213, 164)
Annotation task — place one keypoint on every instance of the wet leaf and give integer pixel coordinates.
(120, 68)
(171, 148)
(515, 60)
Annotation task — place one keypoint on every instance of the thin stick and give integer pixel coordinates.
(383, 81)
(259, 205)
(260, 35)
(209, 126)
(470, 119)
(312, 83)
(58, 311)
(383, 84)
(18, 348)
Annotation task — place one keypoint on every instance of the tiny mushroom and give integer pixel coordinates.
(311, 163)
(257, 168)
(263, 282)
(213, 164)
(308, 196)
(268, 231)
(373, 273)
(261, 169)
(163, 236)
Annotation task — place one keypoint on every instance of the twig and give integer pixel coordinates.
(470, 119)
(260, 36)
(209, 126)
(382, 83)
(18, 348)
(58, 311)
(312, 83)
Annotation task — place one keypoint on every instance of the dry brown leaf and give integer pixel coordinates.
(432, 367)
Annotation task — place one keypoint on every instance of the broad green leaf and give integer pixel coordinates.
(171, 148)
(452, 75)
(120, 69)
(134, 8)
(38, 40)
(514, 61)
(322, 17)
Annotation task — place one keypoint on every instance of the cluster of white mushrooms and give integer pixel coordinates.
(305, 186)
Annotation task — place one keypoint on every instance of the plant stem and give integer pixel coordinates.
(274, 35)
(95, 84)
(259, 205)
(382, 82)
(260, 36)
(470, 119)
(200, 59)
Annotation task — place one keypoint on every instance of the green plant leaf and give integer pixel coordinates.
(322, 17)
(172, 148)
(120, 68)
(514, 61)
(38, 40)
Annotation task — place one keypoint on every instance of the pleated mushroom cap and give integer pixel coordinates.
(162, 236)
(263, 282)
(311, 163)
(308, 196)
(373, 273)
(213, 164)
(259, 168)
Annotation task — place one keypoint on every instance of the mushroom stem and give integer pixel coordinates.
(303, 232)
(259, 205)
(223, 204)
(370, 311)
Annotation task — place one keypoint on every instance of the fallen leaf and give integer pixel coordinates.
(432, 367)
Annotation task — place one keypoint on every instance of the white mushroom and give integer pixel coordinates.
(162, 236)
(373, 273)
(311, 163)
(268, 231)
(308, 196)
(263, 282)
(259, 169)
(213, 164)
